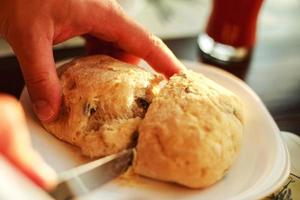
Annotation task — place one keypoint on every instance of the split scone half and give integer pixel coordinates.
(103, 102)
(191, 133)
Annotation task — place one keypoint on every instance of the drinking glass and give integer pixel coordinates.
(231, 30)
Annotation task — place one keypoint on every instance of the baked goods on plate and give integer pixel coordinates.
(261, 167)
(103, 103)
(194, 128)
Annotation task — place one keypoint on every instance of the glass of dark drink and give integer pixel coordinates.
(231, 30)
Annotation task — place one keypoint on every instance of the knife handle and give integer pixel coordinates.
(14, 185)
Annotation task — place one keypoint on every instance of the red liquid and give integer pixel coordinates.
(233, 22)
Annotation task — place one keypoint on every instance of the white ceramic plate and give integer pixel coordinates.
(262, 167)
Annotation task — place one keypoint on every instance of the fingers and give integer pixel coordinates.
(115, 26)
(15, 144)
(36, 59)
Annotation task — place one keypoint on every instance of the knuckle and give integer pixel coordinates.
(154, 44)
(155, 40)
(37, 79)
(111, 7)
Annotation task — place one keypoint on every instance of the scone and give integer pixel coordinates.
(103, 103)
(191, 133)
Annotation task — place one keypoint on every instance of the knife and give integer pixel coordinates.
(85, 178)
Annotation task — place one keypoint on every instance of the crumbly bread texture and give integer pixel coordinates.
(191, 133)
(103, 103)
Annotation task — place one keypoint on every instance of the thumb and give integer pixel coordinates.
(38, 68)
(16, 147)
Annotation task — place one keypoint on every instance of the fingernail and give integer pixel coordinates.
(43, 110)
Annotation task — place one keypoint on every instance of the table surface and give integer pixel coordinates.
(273, 72)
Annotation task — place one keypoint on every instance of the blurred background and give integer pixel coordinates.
(273, 71)
(171, 19)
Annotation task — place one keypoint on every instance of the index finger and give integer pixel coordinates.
(113, 24)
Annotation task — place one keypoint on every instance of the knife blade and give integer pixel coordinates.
(85, 178)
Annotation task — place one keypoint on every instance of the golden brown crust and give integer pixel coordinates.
(191, 132)
(101, 104)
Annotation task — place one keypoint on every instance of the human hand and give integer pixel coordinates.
(32, 26)
(15, 144)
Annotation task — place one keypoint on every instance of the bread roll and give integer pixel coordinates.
(191, 133)
(103, 103)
